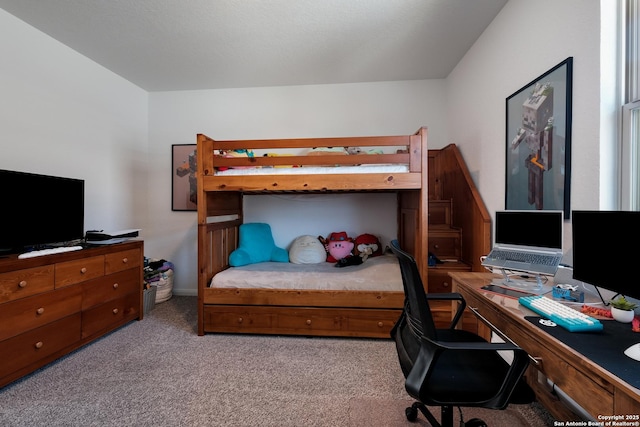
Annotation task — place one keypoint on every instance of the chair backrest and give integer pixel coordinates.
(416, 311)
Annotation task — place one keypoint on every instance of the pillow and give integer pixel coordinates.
(307, 250)
(256, 245)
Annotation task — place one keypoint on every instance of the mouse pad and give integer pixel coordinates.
(606, 347)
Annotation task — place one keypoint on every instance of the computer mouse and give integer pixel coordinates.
(633, 352)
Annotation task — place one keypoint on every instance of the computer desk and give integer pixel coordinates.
(596, 390)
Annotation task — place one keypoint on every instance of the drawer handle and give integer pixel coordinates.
(22, 284)
(436, 246)
(83, 270)
(380, 324)
(115, 311)
(115, 286)
(40, 310)
(308, 321)
(240, 319)
(39, 344)
(125, 260)
(445, 284)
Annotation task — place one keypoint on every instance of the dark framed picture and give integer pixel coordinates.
(538, 142)
(183, 177)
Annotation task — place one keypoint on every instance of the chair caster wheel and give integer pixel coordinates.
(411, 413)
(475, 422)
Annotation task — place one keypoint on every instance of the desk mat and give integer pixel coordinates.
(606, 347)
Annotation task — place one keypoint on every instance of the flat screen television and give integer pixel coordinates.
(39, 211)
(605, 250)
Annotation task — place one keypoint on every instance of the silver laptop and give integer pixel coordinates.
(527, 241)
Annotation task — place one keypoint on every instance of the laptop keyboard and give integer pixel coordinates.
(539, 259)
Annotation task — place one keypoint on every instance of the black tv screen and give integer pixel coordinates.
(605, 250)
(39, 211)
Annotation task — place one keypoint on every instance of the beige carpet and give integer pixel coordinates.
(391, 413)
(159, 373)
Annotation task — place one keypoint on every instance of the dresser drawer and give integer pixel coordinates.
(110, 315)
(107, 288)
(80, 270)
(28, 348)
(29, 313)
(123, 260)
(23, 283)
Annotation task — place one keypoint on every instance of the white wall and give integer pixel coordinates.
(513, 51)
(62, 114)
(65, 115)
(390, 108)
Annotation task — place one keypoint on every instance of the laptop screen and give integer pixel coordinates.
(541, 229)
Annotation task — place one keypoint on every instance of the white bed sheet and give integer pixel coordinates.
(380, 273)
(316, 170)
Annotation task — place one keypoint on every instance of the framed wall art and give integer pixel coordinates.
(183, 177)
(538, 142)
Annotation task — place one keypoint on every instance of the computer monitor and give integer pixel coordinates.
(534, 229)
(529, 242)
(605, 250)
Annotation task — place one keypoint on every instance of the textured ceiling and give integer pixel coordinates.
(164, 45)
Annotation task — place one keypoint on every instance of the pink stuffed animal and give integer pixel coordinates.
(338, 246)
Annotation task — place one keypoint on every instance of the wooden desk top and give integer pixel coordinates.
(594, 388)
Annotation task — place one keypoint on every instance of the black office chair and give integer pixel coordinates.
(451, 367)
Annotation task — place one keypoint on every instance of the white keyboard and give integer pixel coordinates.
(570, 319)
(51, 251)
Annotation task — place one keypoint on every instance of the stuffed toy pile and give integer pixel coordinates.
(344, 250)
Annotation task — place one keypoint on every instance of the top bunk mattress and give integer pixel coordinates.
(315, 170)
(381, 273)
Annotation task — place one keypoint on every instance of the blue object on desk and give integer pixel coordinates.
(570, 319)
(570, 293)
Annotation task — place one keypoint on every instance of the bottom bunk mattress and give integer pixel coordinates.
(381, 273)
(306, 299)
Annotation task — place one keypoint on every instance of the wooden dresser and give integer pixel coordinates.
(51, 305)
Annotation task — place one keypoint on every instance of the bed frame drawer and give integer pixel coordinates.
(372, 323)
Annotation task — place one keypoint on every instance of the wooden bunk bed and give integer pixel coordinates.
(359, 313)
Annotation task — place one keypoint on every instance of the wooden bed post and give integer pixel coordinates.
(203, 157)
(422, 246)
(413, 206)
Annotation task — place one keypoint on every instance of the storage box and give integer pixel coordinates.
(149, 299)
